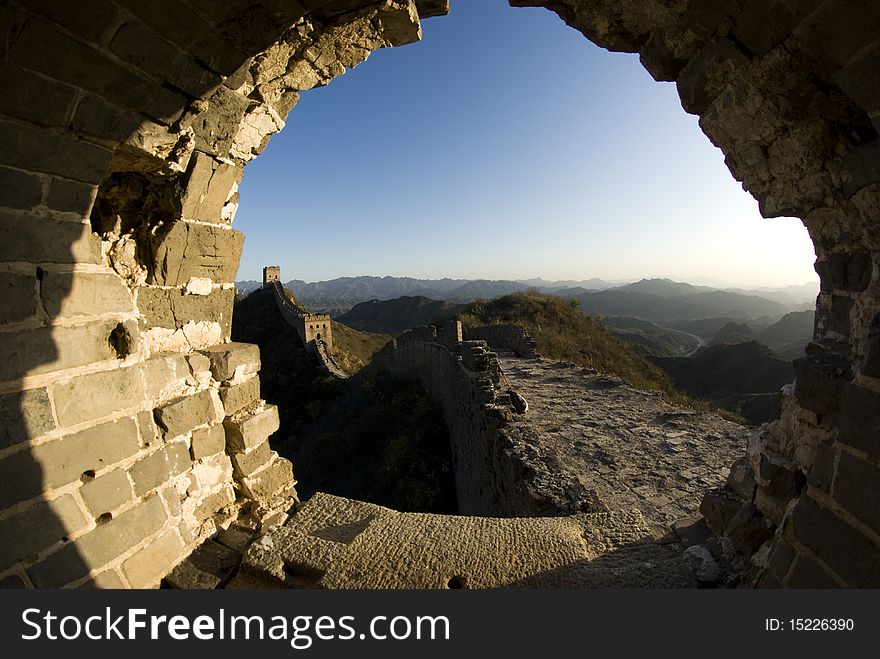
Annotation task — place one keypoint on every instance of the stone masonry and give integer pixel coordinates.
(315, 330)
(126, 128)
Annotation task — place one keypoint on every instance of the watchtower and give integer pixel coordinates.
(271, 273)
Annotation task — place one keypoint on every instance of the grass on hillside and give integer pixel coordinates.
(563, 332)
(353, 349)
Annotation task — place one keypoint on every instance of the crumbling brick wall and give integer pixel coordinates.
(496, 473)
(132, 428)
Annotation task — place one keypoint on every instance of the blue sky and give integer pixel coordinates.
(504, 145)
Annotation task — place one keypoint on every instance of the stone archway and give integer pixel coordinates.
(128, 130)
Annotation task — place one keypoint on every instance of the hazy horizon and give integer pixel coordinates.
(505, 143)
(616, 282)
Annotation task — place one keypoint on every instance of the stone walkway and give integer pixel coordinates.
(629, 446)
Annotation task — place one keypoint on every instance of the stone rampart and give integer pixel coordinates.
(505, 337)
(496, 474)
(314, 330)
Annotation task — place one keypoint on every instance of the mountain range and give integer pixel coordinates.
(651, 299)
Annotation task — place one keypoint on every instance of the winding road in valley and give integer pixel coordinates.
(687, 353)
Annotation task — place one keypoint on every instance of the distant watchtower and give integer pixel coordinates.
(271, 273)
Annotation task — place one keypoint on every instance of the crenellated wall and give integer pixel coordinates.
(496, 472)
(506, 337)
(315, 330)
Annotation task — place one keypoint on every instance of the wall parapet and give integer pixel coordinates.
(506, 337)
(315, 330)
(498, 472)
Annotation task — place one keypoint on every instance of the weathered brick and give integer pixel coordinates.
(58, 462)
(90, 25)
(59, 569)
(107, 392)
(105, 579)
(246, 431)
(19, 189)
(191, 32)
(47, 51)
(140, 46)
(147, 427)
(172, 500)
(837, 29)
(214, 502)
(236, 538)
(40, 151)
(211, 252)
(184, 414)
(147, 567)
(857, 489)
(208, 441)
(173, 308)
(808, 574)
(198, 363)
(165, 376)
(847, 271)
(817, 389)
(99, 118)
(270, 481)
(844, 549)
(781, 558)
(763, 25)
(215, 131)
(34, 98)
(13, 581)
(209, 566)
(233, 360)
(839, 318)
(708, 74)
(120, 534)
(24, 415)
(47, 349)
(238, 396)
(71, 196)
(84, 294)
(107, 492)
(860, 419)
(208, 187)
(246, 464)
(18, 292)
(40, 239)
(159, 467)
(822, 470)
(38, 527)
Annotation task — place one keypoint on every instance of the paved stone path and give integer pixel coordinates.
(629, 446)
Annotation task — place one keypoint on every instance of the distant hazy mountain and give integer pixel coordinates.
(651, 299)
(554, 287)
(790, 336)
(398, 315)
(733, 333)
(615, 302)
(245, 287)
(663, 300)
(664, 288)
(800, 294)
(484, 288)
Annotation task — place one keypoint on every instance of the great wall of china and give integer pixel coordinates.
(133, 430)
(314, 330)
